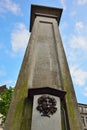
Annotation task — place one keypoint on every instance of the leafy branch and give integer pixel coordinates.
(5, 99)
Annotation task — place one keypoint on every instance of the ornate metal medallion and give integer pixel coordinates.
(46, 105)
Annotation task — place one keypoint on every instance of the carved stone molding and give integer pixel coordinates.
(46, 105)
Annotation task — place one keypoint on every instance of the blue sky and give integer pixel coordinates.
(14, 35)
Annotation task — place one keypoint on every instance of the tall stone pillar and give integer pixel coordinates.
(44, 96)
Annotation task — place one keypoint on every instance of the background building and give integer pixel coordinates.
(83, 112)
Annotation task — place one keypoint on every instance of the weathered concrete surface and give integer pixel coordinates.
(19, 115)
(70, 100)
(43, 122)
(44, 65)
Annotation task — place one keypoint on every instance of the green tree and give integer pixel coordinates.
(5, 100)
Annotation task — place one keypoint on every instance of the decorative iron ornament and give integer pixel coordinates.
(46, 105)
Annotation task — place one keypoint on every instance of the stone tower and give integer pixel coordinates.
(44, 97)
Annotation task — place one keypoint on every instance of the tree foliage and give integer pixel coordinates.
(5, 100)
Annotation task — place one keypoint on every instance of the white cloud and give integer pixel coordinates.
(63, 26)
(79, 76)
(2, 46)
(78, 41)
(82, 2)
(2, 73)
(8, 82)
(63, 4)
(73, 13)
(19, 37)
(79, 26)
(85, 92)
(77, 48)
(9, 6)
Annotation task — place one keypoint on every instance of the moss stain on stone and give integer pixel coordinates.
(62, 121)
(26, 121)
(20, 107)
(70, 107)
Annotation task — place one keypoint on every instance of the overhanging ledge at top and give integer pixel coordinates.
(37, 10)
